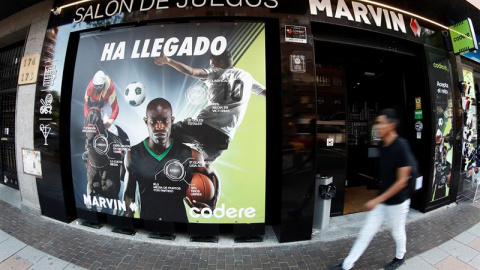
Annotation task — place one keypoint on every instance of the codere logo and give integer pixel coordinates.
(221, 212)
(440, 66)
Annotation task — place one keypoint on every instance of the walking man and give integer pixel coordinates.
(393, 202)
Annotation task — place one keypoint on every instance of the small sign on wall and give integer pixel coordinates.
(32, 162)
(295, 33)
(29, 69)
(330, 141)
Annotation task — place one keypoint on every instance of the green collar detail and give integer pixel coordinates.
(162, 155)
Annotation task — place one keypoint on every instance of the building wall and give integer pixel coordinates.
(29, 24)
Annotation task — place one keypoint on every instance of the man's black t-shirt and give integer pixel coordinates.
(393, 157)
(162, 180)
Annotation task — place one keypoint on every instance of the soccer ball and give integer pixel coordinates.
(135, 93)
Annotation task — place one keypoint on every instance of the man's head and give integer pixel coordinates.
(386, 122)
(99, 80)
(159, 121)
(224, 60)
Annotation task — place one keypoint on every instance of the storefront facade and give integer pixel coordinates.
(312, 75)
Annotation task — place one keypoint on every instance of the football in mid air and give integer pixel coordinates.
(135, 93)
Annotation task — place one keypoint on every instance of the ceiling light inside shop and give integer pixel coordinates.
(370, 74)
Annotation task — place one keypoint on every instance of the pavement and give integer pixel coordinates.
(446, 238)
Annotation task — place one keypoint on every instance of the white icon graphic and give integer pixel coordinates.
(46, 107)
(45, 129)
(49, 76)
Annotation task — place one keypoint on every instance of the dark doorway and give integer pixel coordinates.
(355, 82)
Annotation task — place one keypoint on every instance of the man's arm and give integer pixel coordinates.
(130, 186)
(402, 181)
(85, 100)
(112, 100)
(198, 73)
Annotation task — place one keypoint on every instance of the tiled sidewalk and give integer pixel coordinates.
(461, 252)
(447, 238)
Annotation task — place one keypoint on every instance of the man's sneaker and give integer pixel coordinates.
(336, 267)
(394, 264)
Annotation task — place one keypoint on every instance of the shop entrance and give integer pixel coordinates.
(353, 85)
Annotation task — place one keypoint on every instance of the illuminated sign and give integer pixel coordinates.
(463, 37)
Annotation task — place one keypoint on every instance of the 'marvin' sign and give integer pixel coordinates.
(360, 13)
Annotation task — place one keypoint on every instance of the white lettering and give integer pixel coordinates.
(360, 11)
(186, 48)
(324, 5)
(127, 7)
(398, 22)
(221, 212)
(199, 5)
(157, 46)
(272, 6)
(145, 52)
(239, 4)
(192, 212)
(170, 49)
(387, 19)
(213, 4)
(231, 213)
(89, 13)
(215, 48)
(120, 52)
(135, 53)
(182, 6)
(250, 212)
(78, 12)
(162, 7)
(377, 16)
(96, 12)
(116, 6)
(107, 51)
(102, 202)
(206, 212)
(95, 201)
(254, 5)
(342, 10)
(147, 8)
(201, 46)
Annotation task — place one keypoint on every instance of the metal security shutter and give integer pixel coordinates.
(10, 59)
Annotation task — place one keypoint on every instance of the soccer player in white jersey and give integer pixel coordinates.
(229, 90)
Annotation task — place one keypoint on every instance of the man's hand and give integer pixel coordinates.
(370, 204)
(107, 125)
(161, 60)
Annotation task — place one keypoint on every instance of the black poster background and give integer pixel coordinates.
(439, 70)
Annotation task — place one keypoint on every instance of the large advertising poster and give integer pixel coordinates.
(168, 122)
(441, 84)
(469, 121)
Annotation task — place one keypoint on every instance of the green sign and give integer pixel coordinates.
(463, 37)
(418, 114)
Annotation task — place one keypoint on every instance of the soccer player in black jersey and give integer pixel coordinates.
(163, 169)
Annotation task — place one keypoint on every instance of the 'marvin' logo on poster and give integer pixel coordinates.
(360, 13)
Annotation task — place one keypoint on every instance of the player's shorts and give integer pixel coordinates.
(204, 138)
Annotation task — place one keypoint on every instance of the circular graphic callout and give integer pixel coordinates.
(196, 95)
(174, 170)
(100, 144)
